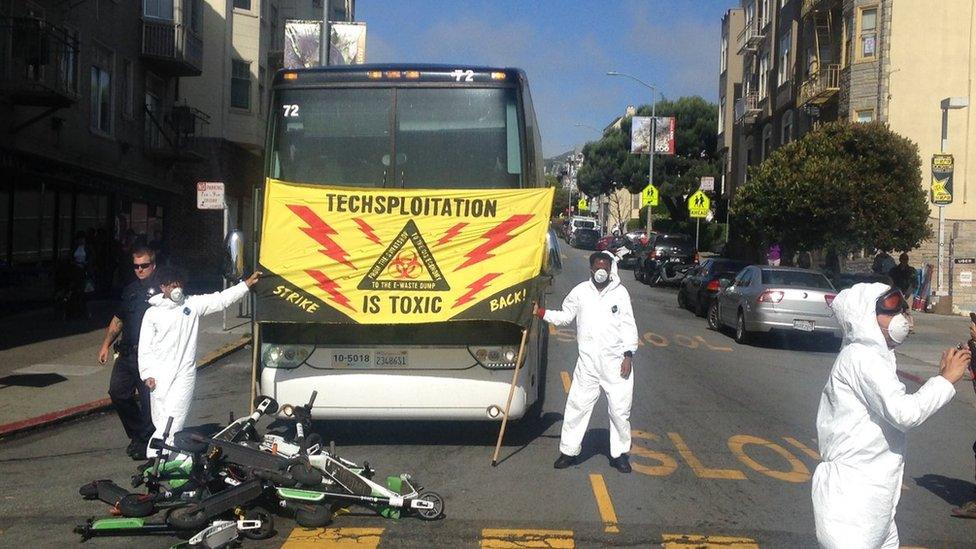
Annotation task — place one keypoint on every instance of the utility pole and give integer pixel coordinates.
(325, 44)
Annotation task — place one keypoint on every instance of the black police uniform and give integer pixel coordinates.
(133, 410)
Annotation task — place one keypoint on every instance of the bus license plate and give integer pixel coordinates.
(803, 325)
(352, 358)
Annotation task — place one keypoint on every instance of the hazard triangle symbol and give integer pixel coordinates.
(407, 264)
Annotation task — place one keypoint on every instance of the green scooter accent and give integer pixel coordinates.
(117, 523)
(395, 484)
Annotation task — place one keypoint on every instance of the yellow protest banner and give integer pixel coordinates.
(400, 256)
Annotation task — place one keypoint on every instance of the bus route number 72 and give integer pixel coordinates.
(461, 75)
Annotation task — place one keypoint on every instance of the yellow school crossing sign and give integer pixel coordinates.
(699, 204)
(649, 196)
(581, 205)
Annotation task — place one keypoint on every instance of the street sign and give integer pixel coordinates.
(210, 195)
(581, 205)
(699, 205)
(941, 190)
(707, 183)
(650, 196)
(964, 261)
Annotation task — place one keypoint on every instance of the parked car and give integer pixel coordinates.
(577, 222)
(584, 238)
(665, 259)
(610, 243)
(762, 298)
(700, 286)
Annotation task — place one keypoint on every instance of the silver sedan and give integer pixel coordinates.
(762, 298)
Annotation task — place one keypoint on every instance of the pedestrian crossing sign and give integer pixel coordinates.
(699, 205)
(581, 205)
(649, 196)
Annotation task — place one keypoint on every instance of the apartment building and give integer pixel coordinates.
(91, 132)
(729, 88)
(811, 61)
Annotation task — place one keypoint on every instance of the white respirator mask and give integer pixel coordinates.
(177, 295)
(898, 329)
(601, 276)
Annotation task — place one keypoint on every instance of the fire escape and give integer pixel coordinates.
(820, 19)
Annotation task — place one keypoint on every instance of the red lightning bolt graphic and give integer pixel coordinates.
(451, 233)
(330, 287)
(496, 237)
(321, 232)
(367, 230)
(475, 287)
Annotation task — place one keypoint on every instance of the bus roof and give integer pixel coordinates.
(399, 72)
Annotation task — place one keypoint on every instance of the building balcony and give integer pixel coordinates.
(809, 6)
(747, 108)
(171, 48)
(820, 86)
(751, 36)
(41, 63)
(171, 136)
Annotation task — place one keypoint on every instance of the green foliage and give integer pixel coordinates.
(842, 187)
(561, 201)
(608, 163)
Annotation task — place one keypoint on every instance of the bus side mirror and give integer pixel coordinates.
(234, 256)
(553, 262)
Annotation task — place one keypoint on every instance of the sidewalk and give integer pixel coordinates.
(49, 368)
(919, 357)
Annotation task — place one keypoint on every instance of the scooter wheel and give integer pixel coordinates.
(313, 516)
(137, 505)
(267, 524)
(190, 517)
(437, 511)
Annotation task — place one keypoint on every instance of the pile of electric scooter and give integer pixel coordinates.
(214, 490)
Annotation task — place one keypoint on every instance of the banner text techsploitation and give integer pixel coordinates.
(413, 206)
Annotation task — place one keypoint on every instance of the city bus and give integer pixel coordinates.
(337, 133)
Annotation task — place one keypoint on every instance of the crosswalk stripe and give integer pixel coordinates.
(686, 541)
(333, 538)
(500, 538)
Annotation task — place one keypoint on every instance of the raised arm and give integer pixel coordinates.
(884, 394)
(566, 315)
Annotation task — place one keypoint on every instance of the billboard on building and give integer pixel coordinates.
(640, 135)
(303, 41)
(664, 135)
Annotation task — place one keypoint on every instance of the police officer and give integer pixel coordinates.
(129, 394)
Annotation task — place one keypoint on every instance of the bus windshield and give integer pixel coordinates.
(398, 137)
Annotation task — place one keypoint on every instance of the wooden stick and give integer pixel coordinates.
(255, 340)
(511, 393)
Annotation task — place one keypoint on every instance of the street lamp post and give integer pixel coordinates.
(946, 104)
(650, 169)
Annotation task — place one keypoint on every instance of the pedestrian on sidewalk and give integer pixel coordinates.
(903, 275)
(865, 413)
(167, 354)
(968, 509)
(773, 255)
(607, 336)
(129, 395)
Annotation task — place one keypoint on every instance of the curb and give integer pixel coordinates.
(101, 405)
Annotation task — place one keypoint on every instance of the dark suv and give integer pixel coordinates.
(702, 284)
(584, 238)
(665, 259)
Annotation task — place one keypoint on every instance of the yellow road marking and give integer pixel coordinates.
(696, 465)
(567, 381)
(668, 464)
(683, 541)
(604, 504)
(333, 538)
(798, 471)
(499, 538)
(804, 448)
(712, 347)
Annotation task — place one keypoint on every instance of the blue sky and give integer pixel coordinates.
(566, 48)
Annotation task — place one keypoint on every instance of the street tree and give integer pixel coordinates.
(561, 200)
(842, 187)
(608, 163)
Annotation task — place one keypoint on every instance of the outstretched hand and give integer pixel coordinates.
(954, 364)
(253, 279)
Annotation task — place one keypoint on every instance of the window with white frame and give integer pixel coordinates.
(101, 89)
(721, 114)
(867, 33)
(723, 60)
(750, 14)
(242, 4)
(864, 115)
(785, 70)
(763, 75)
(787, 130)
(240, 84)
(68, 61)
(763, 13)
(159, 9)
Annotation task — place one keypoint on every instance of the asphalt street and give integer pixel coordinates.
(725, 446)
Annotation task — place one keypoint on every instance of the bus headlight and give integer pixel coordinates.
(285, 356)
(494, 357)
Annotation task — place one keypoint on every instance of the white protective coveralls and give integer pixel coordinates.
(168, 350)
(605, 329)
(861, 424)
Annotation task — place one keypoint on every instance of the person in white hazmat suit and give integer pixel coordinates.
(863, 418)
(607, 336)
(168, 346)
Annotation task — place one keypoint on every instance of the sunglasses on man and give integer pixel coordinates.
(141, 266)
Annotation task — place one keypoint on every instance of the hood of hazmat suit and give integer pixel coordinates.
(864, 414)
